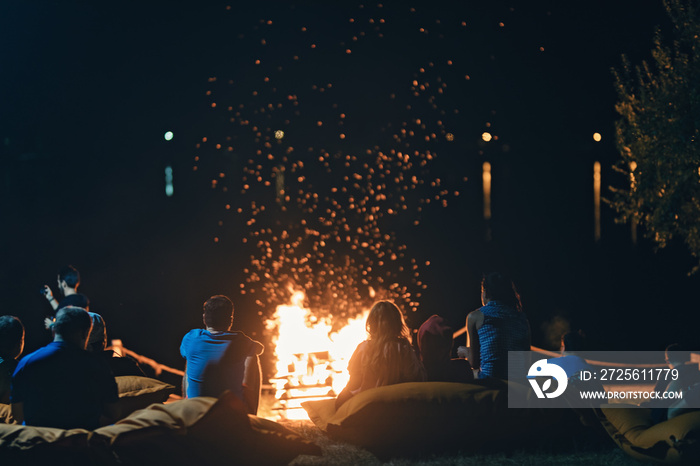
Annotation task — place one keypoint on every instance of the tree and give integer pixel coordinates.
(659, 132)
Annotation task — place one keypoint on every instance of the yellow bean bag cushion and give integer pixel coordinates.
(423, 417)
(201, 431)
(676, 440)
(139, 392)
(25, 445)
(197, 431)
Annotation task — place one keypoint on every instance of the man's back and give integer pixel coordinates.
(63, 386)
(216, 361)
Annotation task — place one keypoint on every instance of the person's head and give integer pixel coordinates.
(11, 337)
(572, 341)
(218, 313)
(497, 287)
(69, 276)
(676, 355)
(435, 340)
(72, 325)
(385, 322)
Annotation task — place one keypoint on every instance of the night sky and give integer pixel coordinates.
(88, 91)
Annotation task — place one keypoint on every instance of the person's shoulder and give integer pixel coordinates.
(35, 356)
(77, 300)
(476, 316)
(363, 347)
(254, 345)
(8, 365)
(193, 334)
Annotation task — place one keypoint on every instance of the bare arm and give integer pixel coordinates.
(355, 381)
(475, 320)
(49, 297)
(184, 382)
(252, 380)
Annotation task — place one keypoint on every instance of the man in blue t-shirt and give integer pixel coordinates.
(62, 385)
(218, 359)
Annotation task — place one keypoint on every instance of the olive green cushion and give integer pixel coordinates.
(200, 431)
(672, 441)
(43, 445)
(428, 417)
(139, 392)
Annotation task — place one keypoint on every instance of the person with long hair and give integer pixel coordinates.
(386, 357)
(497, 327)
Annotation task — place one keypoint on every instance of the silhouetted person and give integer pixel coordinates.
(386, 357)
(571, 343)
(435, 343)
(497, 327)
(220, 359)
(68, 281)
(11, 346)
(62, 385)
(687, 382)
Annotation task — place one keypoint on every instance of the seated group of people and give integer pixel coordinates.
(68, 384)
(387, 357)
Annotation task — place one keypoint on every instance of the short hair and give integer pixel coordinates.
(498, 287)
(11, 334)
(573, 341)
(72, 321)
(70, 274)
(218, 312)
(676, 353)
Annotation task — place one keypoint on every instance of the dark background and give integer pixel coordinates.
(87, 90)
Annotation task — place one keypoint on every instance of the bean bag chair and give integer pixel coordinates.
(427, 417)
(197, 431)
(137, 392)
(134, 393)
(676, 440)
(201, 431)
(25, 445)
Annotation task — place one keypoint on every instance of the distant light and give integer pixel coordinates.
(486, 137)
(486, 182)
(596, 199)
(450, 137)
(169, 189)
(168, 135)
(279, 134)
(597, 137)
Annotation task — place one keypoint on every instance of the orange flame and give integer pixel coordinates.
(312, 359)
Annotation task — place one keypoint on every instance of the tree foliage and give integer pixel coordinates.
(659, 132)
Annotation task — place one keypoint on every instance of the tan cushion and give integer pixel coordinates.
(157, 417)
(6, 414)
(669, 441)
(226, 431)
(426, 416)
(36, 445)
(139, 392)
(199, 431)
